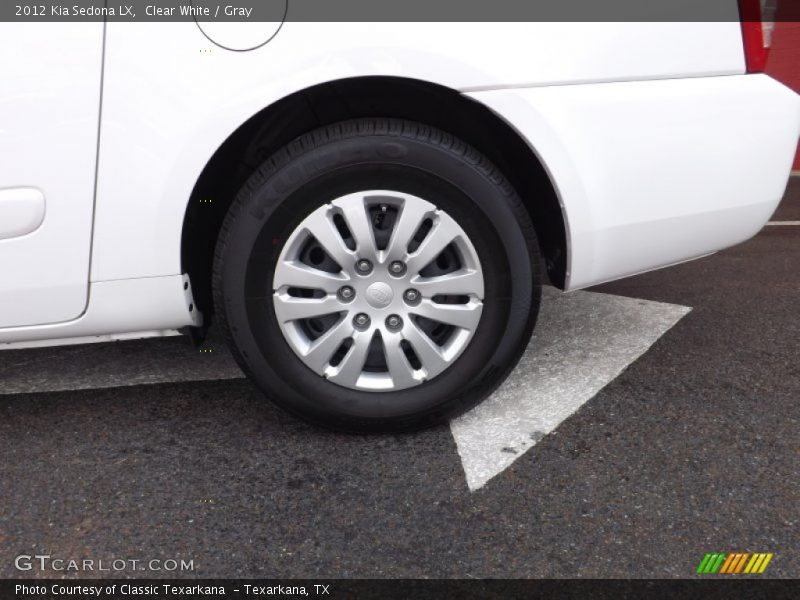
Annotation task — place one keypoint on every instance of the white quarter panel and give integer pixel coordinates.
(652, 173)
(49, 103)
(171, 97)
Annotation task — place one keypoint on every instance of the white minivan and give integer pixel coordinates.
(368, 210)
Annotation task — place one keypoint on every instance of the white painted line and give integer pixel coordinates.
(795, 173)
(784, 223)
(582, 342)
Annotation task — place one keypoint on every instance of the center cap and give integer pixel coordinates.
(379, 295)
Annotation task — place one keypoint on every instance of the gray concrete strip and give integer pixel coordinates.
(582, 342)
(114, 364)
(784, 223)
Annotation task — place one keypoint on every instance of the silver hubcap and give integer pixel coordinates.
(378, 291)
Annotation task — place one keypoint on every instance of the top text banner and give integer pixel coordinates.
(385, 10)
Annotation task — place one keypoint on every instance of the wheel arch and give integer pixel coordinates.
(300, 112)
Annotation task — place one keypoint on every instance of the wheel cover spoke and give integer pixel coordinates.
(431, 357)
(295, 274)
(400, 370)
(386, 327)
(320, 225)
(288, 308)
(465, 316)
(349, 370)
(468, 282)
(354, 212)
(408, 223)
(442, 234)
(319, 354)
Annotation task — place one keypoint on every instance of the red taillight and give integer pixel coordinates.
(757, 18)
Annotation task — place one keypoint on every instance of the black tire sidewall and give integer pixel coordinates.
(272, 204)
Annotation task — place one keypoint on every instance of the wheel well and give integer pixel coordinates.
(275, 126)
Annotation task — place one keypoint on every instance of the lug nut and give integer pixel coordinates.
(361, 321)
(397, 267)
(394, 323)
(346, 293)
(411, 296)
(363, 266)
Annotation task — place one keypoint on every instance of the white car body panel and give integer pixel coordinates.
(121, 309)
(49, 101)
(654, 173)
(167, 107)
(23, 211)
(659, 147)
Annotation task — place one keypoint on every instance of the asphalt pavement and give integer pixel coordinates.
(153, 450)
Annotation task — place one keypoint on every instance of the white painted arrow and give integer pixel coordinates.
(582, 342)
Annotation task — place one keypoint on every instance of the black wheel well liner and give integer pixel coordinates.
(278, 124)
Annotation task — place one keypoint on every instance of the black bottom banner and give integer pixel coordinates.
(416, 589)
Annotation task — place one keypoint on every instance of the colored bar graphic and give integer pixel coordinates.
(727, 564)
(718, 563)
(740, 564)
(734, 563)
(754, 561)
(703, 563)
(711, 562)
(764, 564)
(731, 564)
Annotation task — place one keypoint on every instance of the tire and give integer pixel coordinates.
(314, 178)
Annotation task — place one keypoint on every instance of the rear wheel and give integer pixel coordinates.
(377, 275)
